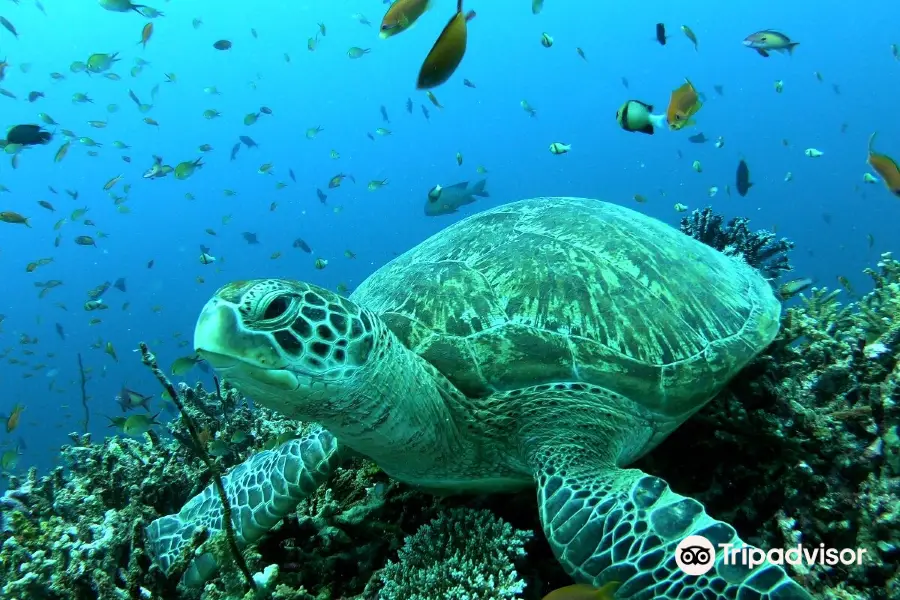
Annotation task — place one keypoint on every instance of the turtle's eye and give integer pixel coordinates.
(277, 307)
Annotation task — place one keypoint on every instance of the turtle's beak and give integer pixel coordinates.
(222, 340)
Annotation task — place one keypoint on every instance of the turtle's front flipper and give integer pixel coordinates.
(262, 491)
(612, 524)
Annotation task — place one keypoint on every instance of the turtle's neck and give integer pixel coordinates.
(395, 411)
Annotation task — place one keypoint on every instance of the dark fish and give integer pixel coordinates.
(61, 332)
(409, 105)
(120, 284)
(451, 198)
(250, 238)
(28, 135)
(291, 173)
(425, 112)
(468, 84)
(150, 263)
(222, 45)
(827, 218)
(370, 136)
(234, 150)
(447, 52)
(836, 88)
(321, 195)
(299, 243)
(9, 27)
(384, 114)
(248, 141)
(742, 180)
(32, 96)
(204, 249)
(719, 90)
(661, 33)
(625, 82)
(698, 138)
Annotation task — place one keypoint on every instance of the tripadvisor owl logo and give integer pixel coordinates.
(696, 555)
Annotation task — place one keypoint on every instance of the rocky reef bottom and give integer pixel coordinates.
(802, 447)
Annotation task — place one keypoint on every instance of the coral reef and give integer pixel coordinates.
(802, 447)
(460, 554)
(805, 445)
(761, 249)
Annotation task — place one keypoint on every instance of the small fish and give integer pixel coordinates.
(679, 207)
(12, 421)
(546, 40)
(560, 148)
(690, 35)
(742, 178)
(779, 86)
(321, 195)
(447, 200)
(767, 41)
(146, 32)
(357, 52)
(14, 218)
(9, 27)
(885, 166)
(582, 591)
(182, 365)
(320, 263)
(661, 33)
(813, 153)
(697, 166)
(532, 112)
(789, 289)
(683, 104)
(139, 424)
(447, 52)
(222, 45)
(205, 259)
(401, 15)
(637, 116)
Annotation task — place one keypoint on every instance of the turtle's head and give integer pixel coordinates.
(288, 345)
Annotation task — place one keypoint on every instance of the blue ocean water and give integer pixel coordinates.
(826, 208)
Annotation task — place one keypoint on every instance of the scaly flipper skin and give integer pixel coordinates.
(624, 525)
(262, 491)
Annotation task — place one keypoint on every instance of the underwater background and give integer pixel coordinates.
(826, 208)
(838, 87)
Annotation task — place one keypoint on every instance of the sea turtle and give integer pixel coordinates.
(546, 342)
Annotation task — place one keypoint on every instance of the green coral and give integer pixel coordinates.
(460, 554)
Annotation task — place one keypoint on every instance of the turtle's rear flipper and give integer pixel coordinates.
(622, 525)
(262, 491)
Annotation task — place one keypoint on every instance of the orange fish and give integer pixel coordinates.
(447, 52)
(684, 103)
(401, 16)
(12, 421)
(145, 34)
(581, 591)
(885, 166)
